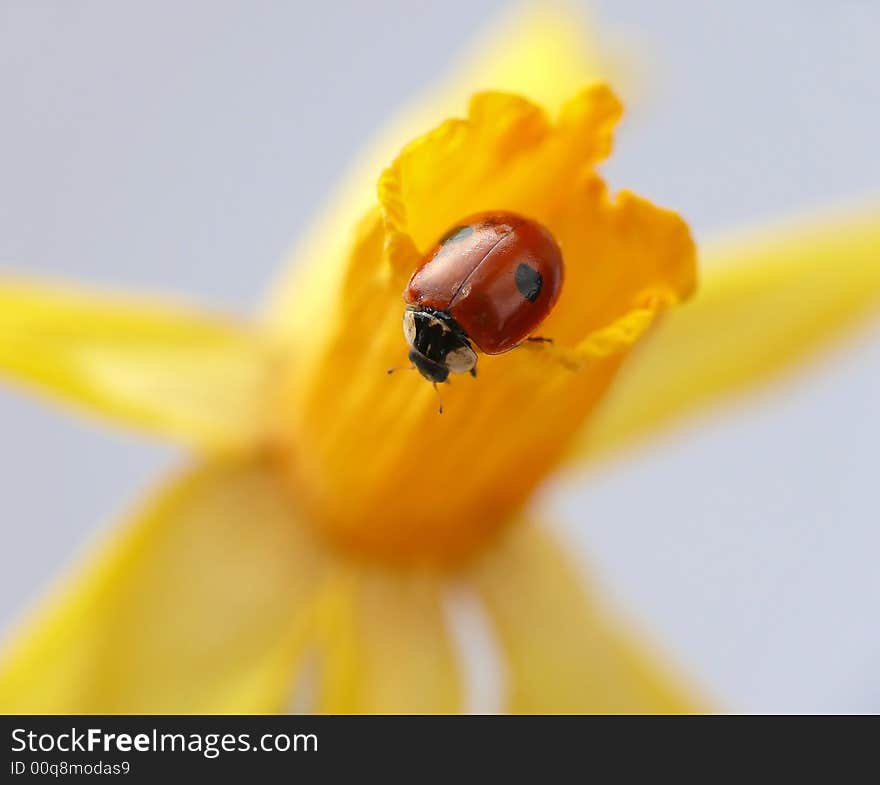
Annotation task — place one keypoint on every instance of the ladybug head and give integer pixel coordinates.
(438, 346)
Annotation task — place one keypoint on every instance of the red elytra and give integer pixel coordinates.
(496, 273)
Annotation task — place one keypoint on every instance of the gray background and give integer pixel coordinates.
(181, 146)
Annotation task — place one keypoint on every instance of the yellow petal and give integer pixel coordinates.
(384, 646)
(565, 652)
(168, 369)
(766, 302)
(367, 453)
(505, 152)
(198, 605)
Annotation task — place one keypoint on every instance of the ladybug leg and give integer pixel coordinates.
(566, 357)
(473, 372)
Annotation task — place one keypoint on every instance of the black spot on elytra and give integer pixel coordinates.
(528, 281)
(456, 233)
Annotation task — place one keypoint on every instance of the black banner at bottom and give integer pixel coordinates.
(278, 748)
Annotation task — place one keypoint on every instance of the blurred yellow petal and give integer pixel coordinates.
(199, 604)
(384, 646)
(357, 441)
(165, 368)
(765, 303)
(544, 51)
(565, 652)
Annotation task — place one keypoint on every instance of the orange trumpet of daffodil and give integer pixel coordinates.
(329, 508)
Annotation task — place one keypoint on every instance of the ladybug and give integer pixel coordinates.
(487, 284)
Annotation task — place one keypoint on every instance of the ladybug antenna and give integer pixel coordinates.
(439, 399)
(401, 368)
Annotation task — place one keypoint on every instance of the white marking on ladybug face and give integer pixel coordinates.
(461, 360)
(409, 327)
(435, 322)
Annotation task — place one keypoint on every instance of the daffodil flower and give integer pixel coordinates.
(305, 557)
